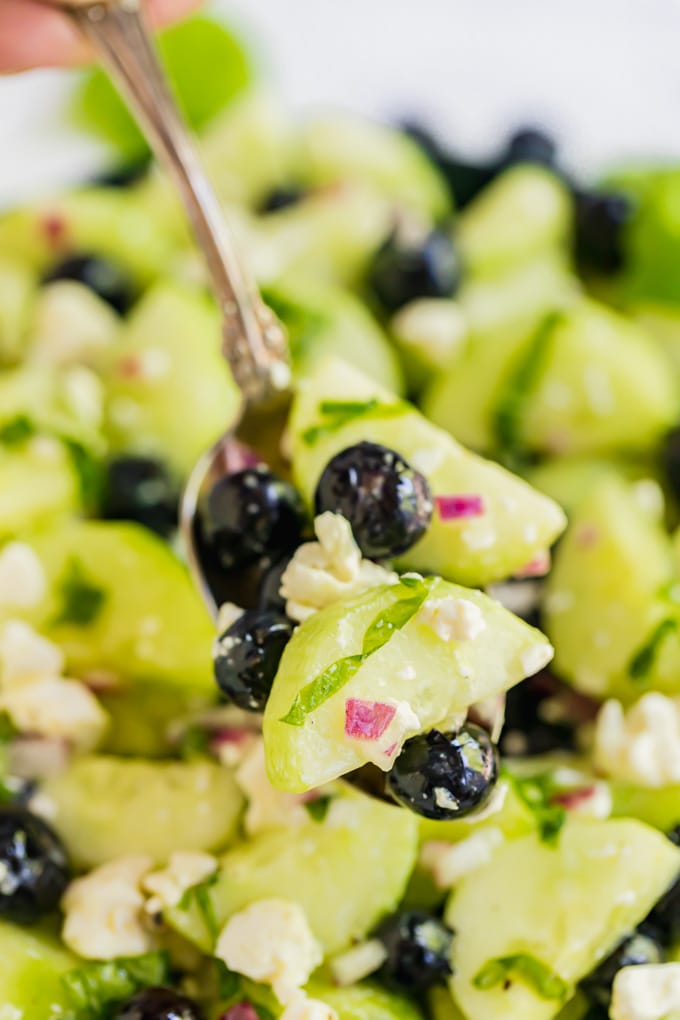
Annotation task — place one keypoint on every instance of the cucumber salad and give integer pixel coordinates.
(426, 765)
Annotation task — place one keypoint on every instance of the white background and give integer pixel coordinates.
(604, 74)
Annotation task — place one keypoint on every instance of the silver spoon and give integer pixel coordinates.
(254, 342)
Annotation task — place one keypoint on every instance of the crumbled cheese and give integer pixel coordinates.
(641, 745)
(54, 707)
(358, 962)
(267, 807)
(227, 615)
(184, 870)
(443, 798)
(271, 942)
(535, 657)
(453, 619)
(449, 862)
(320, 573)
(646, 992)
(303, 1008)
(104, 911)
(71, 324)
(23, 583)
(404, 724)
(25, 655)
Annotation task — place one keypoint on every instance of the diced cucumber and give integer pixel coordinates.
(70, 325)
(106, 807)
(337, 148)
(366, 1001)
(37, 400)
(32, 963)
(662, 322)
(569, 480)
(605, 597)
(443, 678)
(659, 807)
(523, 213)
(563, 907)
(346, 872)
(170, 392)
(429, 333)
(17, 290)
(119, 601)
(517, 522)
(514, 819)
(653, 238)
(38, 484)
(142, 717)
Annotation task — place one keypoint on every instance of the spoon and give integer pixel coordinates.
(254, 342)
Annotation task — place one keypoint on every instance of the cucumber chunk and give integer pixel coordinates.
(565, 907)
(38, 484)
(517, 524)
(17, 291)
(108, 807)
(120, 602)
(170, 393)
(32, 963)
(659, 807)
(346, 872)
(443, 677)
(366, 1001)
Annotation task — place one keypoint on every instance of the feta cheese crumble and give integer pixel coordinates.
(167, 886)
(104, 911)
(646, 992)
(267, 807)
(23, 583)
(271, 942)
(453, 619)
(323, 572)
(641, 745)
(25, 655)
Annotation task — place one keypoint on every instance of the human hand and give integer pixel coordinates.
(32, 34)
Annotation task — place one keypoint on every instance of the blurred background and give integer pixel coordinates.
(603, 76)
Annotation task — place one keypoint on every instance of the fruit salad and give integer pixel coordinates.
(425, 765)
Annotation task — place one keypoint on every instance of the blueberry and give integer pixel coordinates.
(635, 949)
(387, 502)
(141, 489)
(530, 145)
(418, 949)
(663, 922)
(108, 280)
(34, 869)
(600, 222)
(249, 515)
(124, 175)
(529, 729)
(445, 775)
(403, 270)
(670, 459)
(247, 656)
(281, 198)
(464, 178)
(269, 596)
(160, 1004)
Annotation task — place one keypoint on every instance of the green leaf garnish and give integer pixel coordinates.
(643, 660)
(341, 412)
(507, 418)
(317, 809)
(537, 793)
(82, 601)
(199, 896)
(17, 431)
(93, 988)
(89, 471)
(525, 968)
(378, 633)
(233, 988)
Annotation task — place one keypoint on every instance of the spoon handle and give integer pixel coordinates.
(253, 341)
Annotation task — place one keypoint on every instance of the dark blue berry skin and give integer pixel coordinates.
(269, 596)
(418, 948)
(387, 502)
(160, 1004)
(124, 175)
(281, 198)
(33, 865)
(530, 145)
(247, 516)
(600, 222)
(247, 656)
(108, 280)
(140, 489)
(634, 950)
(670, 459)
(445, 776)
(402, 271)
(523, 717)
(465, 179)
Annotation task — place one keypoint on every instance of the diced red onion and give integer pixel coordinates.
(54, 228)
(453, 508)
(241, 1011)
(571, 799)
(367, 720)
(537, 567)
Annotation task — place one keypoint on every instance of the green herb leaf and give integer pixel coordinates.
(341, 412)
(233, 988)
(199, 895)
(393, 618)
(643, 660)
(89, 470)
(317, 809)
(525, 968)
(537, 793)
(82, 601)
(94, 987)
(318, 690)
(17, 431)
(194, 743)
(507, 418)
(229, 983)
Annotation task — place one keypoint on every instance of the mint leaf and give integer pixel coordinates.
(82, 601)
(318, 690)
(642, 662)
(95, 987)
(199, 895)
(525, 968)
(341, 412)
(393, 618)
(537, 793)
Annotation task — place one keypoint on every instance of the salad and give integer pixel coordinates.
(426, 766)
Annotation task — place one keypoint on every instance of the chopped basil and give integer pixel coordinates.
(525, 968)
(88, 469)
(317, 809)
(341, 412)
(642, 662)
(378, 633)
(82, 601)
(199, 895)
(17, 431)
(96, 987)
(233, 988)
(228, 981)
(537, 793)
(507, 418)
(194, 743)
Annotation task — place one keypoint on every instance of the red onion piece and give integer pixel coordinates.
(453, 508)
(241, 1011)
(538, 567)
(367, 720)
